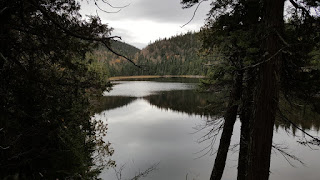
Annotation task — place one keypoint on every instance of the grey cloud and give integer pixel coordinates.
(139, 45)
(127, 38)
(154, 10)
(142, 11)
(168, 11)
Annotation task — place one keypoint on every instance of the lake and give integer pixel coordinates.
(158, 121)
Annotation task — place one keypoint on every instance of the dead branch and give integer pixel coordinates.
(287, 155)
(283, 117)
(216, 126)
(145, 172)
(194, 13)
(265, 61)
(139, 174)
(96, 4)
(119, 172)
(115, 7)
(4, 148)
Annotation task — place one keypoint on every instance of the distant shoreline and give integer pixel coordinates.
(152, 77)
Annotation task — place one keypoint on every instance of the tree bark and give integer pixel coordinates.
(230, 118)
(266, 94)
(252, 21)
(246, 118)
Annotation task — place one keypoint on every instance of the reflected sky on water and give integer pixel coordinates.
(157, 124)
(145, 88)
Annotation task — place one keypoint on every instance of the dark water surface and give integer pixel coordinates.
(155, 122)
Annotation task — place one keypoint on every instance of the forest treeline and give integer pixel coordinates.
(177, 55)
(54, 63)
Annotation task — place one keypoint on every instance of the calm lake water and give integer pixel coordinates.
(156, 122)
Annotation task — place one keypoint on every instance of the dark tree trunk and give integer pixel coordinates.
(266, 94)
(246, 118)
(230, 118)
(252, 21)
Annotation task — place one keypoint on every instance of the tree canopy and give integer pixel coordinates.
(46, 88)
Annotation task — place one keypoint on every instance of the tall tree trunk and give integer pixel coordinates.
(266, 94)
(252, 22)
(230, 118)
(246, 118)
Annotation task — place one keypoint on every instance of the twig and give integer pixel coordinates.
(146, 172)
(3, 10)
(267, 60)
(4, 148)
(194, 13)
(282, 39)
(296, 126)
(95, 3)
(286, 155)
(115, 7)
(119, 172)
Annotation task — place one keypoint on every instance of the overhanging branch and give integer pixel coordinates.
(116, 7)
(103, 40)
(194, 13)
(296, 126)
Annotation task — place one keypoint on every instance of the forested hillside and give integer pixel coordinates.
(177, 55)
(104, 58)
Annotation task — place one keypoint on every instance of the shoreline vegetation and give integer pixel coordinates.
(116, 78)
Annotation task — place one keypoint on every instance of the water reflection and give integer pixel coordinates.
(189, 102)
(145, 88)
(177, 96)
(181, 97)
(143, 134)
(153, 122)
(111, 102)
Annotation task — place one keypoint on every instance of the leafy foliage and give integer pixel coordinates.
(45, 125)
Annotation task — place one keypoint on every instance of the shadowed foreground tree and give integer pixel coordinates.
(45, 127)
(255, 30)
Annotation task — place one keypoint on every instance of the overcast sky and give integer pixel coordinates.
(145, 21)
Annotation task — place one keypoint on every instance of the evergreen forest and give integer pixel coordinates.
(177, 55)
(260, 59)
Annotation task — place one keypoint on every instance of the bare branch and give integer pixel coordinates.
(139, 175)
(194, 13)
(315, 139)
(4, 148)
(287, 155)
(119, 172)
(120, 55)
(215, 125)
(115, 7)
(265, 61)
(3, 10)
(146, 172)
(282, 39)
(96, 4)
